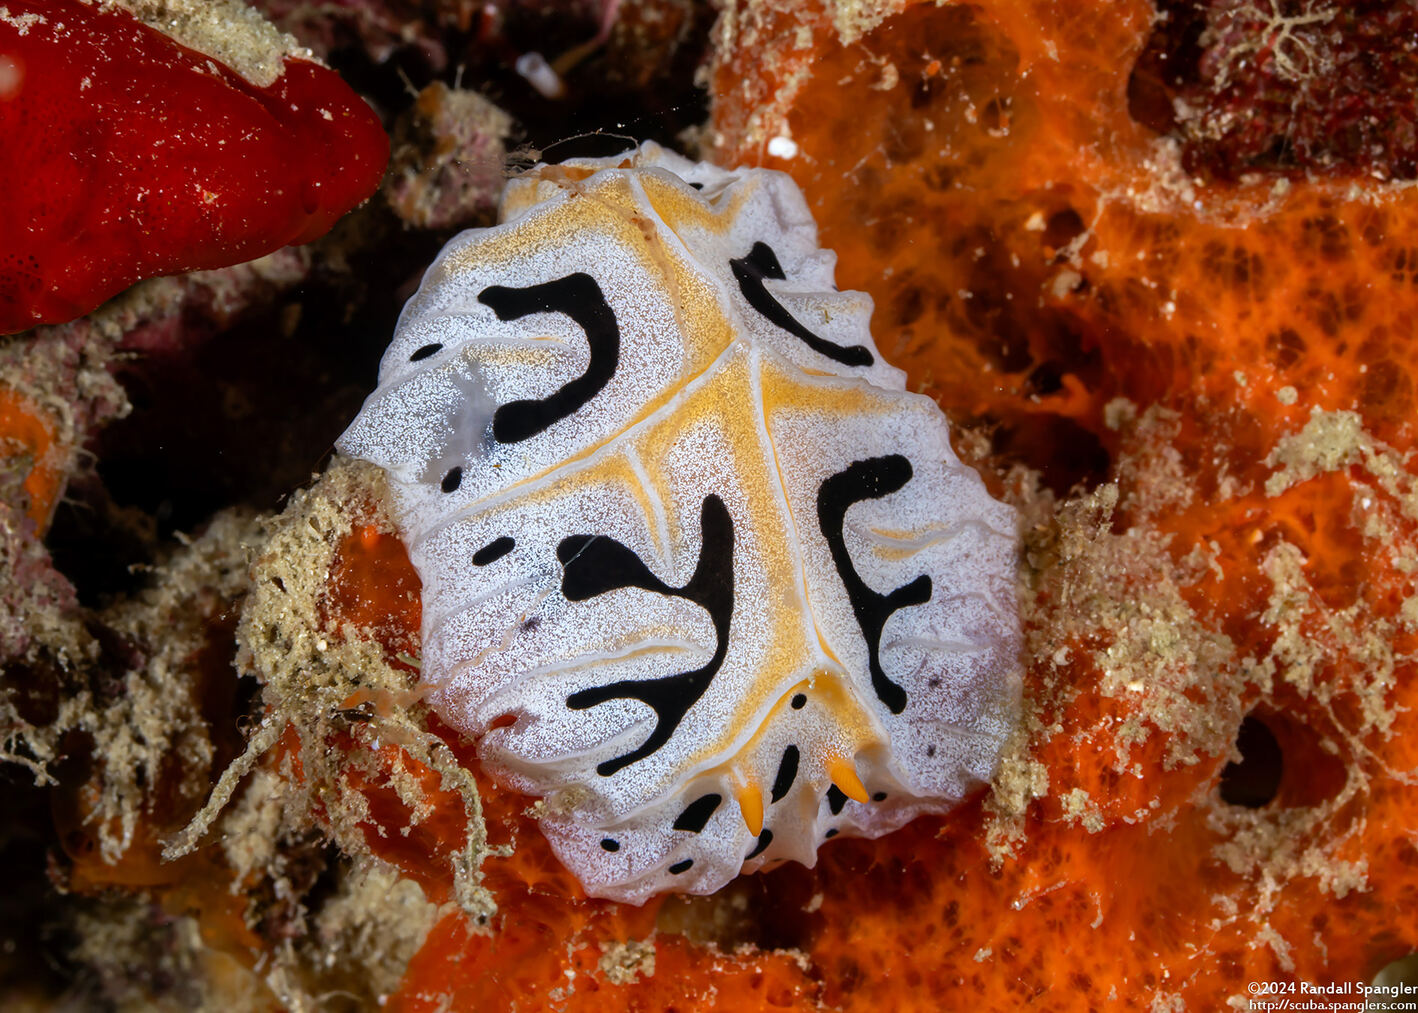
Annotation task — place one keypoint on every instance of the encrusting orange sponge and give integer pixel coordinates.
(28, 436)
(1220, 355)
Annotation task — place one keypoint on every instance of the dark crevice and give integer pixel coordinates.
(1254, 780)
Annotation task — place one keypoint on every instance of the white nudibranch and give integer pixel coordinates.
(697, 570)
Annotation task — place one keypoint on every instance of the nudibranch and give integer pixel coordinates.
(697, 569)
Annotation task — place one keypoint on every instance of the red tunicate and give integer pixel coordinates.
(125, 155)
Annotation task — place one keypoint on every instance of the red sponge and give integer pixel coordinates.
(127, 155)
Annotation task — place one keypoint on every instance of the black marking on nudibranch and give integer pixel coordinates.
(610, 844)
(879, 797)
(423, 353)
(595, 564)
(869, 479)
(835, 799)
(799, 701)
(696, 815)
(761, 263)
(579, 297)
(787, 771)
(764, 839)
(494, 550)
(679, 867)
(453, 479)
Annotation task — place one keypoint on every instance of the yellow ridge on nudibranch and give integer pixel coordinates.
(843, 773)
(750, 797)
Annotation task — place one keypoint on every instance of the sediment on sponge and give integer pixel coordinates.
(333, 702)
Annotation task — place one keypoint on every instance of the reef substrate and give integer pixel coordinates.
(1142, 261)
